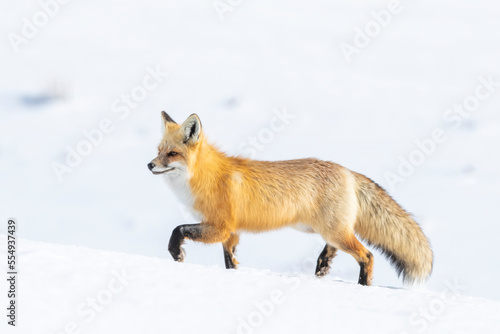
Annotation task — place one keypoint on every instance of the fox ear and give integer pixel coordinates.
(191, 128)
(167, 118)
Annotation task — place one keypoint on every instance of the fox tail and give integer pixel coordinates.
(388, 227)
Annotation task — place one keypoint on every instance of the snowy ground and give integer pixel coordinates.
(70, 289)
(75, 74)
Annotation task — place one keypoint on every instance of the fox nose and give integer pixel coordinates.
(151, 166)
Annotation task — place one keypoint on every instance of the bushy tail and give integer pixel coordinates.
(385, 225)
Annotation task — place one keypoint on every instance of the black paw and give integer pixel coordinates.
(177, 254)
(322, 272)
(322, 268)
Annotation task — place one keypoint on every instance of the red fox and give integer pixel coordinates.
(233, 194)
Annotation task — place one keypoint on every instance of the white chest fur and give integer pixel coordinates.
(178, 181)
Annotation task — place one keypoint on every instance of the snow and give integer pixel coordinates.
(269, 81)
(91, 291)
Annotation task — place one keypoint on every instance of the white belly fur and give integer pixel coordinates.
(302, 228)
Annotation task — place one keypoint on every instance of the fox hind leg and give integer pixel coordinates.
(229, 247)
(363, 256)
(324, 260)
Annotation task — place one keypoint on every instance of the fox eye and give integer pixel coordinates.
(172, 154)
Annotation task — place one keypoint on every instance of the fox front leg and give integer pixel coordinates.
(229, 247)
(203, 232)
(177, 239)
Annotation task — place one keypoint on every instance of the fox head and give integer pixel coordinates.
(177, 146)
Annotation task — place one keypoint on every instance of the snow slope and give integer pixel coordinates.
(92, 291)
